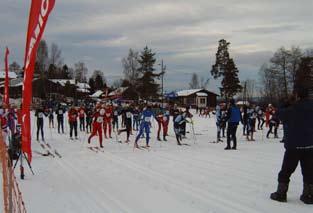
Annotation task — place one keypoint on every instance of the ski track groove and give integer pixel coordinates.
(198, 193)
(219, 184)
(244, 168)
(117, 207)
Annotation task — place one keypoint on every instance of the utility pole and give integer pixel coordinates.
(163, 68)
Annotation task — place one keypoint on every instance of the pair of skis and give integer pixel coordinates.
(141, 148)
(95, 149)
(49, 150)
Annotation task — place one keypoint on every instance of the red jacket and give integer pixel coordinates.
(72, 115)
(81, 112)
(108, 113)
(97, 118)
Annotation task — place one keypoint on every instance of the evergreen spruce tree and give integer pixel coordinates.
(146, 84)
(225, 67)
(230, 83)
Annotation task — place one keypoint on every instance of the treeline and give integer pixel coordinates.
(278, 76)
(139, 73)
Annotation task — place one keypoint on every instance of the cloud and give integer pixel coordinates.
(183, 33)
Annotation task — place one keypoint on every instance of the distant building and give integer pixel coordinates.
(126, 93)
(48, 88)
(200, 98)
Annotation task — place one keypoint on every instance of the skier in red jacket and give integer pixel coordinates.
(98, 118)
(81, 113)
(107, 125)
(72, 119)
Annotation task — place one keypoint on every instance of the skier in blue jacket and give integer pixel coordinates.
(145, 124)
(233, 118)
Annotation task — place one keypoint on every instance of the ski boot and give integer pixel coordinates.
(281, 194)
(307, 195)
(136, 145)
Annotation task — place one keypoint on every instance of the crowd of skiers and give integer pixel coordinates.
(100, 119)
(251, 117)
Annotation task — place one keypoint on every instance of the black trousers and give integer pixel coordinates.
(183, 128)
(40, 128)
(115, 122)
(73, 127)
(261, 122)
(88, 124)
(272, 125)
(82, 124)
(290, 163)
(245, 128)
(231, 134)
(60, 124)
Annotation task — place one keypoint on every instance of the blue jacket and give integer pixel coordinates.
(234, 115)
(298, 118)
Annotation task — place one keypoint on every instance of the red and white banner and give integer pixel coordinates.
(38, 17)
(6, 97)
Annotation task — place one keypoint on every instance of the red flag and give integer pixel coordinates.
(38, 17)
(6, 83)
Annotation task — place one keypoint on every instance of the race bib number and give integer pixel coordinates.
(40, 115)
(128, 115)
(164, 118)
(147, 119)
(60, 112)
(102, 112)
(100, 119)
(115, 113)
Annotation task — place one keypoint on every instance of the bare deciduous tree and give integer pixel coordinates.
(81, 72)
(55, 55)
(131, 66)
(194, 82)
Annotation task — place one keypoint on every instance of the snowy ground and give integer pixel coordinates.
(189, 179)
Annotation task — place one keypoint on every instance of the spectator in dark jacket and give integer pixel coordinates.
(299, 139)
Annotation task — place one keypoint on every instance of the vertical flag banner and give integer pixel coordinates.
(6, 82)
(38, 17)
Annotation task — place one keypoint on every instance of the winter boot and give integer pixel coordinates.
(307, 195)
(281, 194)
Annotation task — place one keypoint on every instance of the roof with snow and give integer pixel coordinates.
(118, 91)
(97, 94)
(11, 74)
(188, 92)
(184, 93)
(62, 82)
(198, 92)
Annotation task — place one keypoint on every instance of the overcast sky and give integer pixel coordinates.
(184, 33)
